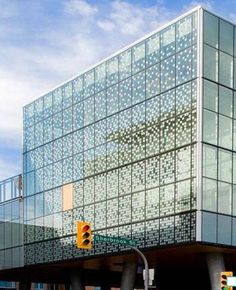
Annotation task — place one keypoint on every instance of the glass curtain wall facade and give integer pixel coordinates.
(11, 223)
(219, 131)
(116, 146)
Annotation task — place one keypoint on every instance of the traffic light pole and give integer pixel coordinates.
(146, 276)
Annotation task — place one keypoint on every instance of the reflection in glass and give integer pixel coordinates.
(210, 63)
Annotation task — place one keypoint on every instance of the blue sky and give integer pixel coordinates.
(45, 42)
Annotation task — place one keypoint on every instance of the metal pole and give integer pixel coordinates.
(146, 277)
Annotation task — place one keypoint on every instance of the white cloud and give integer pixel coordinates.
(81, 7)
(133, 19)
(106, 25)
(207, 4)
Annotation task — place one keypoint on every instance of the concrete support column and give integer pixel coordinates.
(24, 285)
(128, 276)
(75, 278)
(215, 263)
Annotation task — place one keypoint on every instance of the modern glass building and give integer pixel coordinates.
(11, 223)
(142, 145)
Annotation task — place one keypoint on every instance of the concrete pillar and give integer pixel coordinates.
(24, 285)
(215, 263)
(75, 278)
(128, 276)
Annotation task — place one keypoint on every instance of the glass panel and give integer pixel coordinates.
(30, 208)
(225, 166)
(152, 203)
(38, 110)
(234, 200)
(182, 197)
(225, 132)
(234, 104)
(226, 36)
(168, 41)
(210, 161)
(67, 120)
(209, 194)
(125, 94)
(89, 111)
(224, 230)
(209, 227)
(112, 71)
(57, 100)
(225, 101)
(29, 115)
(138, 57)
(78, 89)
(78, 116)
(112, 99)
(210, 63)
(67, 95)
(47, 130)
(100, 77)
(57, 125)
(168, 73)
(224, 198)
(211, 24)
(184, 32)
(184, 66)
(153, 49)
(100, 105)
(89, 84)
(153, 81)
(47, 105)
(226, 69)
(39, 205)
(30, 183)
(234, 135)
(210, 96)
(125, 64)
(138, 86)
(210, 127)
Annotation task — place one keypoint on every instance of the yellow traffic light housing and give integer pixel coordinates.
(223, 280)
(84, 235)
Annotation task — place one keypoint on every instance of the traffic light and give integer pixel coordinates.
(223, 280)
(84, 235)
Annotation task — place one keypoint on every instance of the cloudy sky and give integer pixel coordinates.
(46, 42)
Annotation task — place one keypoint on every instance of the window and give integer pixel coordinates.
(210, 127)
(210, 29)
(226, 70)
(225, 101)
(210, 96)
(224, 198)
(226, 36)
(225, 132)
(225, 166)
(210, 63)
(209, 194)
(210, 161)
